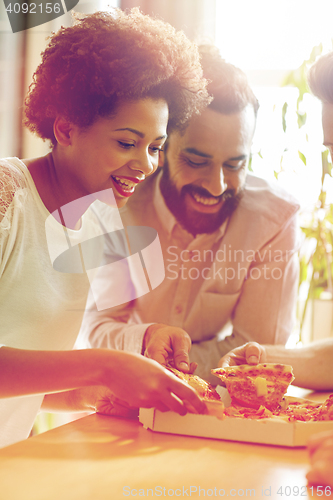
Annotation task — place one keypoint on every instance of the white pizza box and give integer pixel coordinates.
(265, 431)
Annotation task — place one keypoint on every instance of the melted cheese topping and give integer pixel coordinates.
(261, 386)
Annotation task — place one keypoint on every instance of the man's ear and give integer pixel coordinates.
(62, 129)
(161, 159)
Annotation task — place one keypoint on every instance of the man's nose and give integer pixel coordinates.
(214, 181)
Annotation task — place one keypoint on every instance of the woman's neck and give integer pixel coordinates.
(57, 192)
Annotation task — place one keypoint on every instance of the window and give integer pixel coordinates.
(268, 40)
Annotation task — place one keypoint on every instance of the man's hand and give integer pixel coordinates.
(167, 344)
(250, 353)
(320, 448)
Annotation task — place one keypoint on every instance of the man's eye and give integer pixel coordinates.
(194, 164)
(126, 145)
(234, 167)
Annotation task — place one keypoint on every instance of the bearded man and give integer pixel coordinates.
(229, 242)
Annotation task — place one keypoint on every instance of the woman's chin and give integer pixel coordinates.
(120, 202)
(108, 197)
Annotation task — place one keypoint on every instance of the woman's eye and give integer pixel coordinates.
(126, 145)
(156, 149)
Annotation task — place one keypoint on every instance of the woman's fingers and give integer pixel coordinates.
(174, 404)
(161, 406)
(187, 394)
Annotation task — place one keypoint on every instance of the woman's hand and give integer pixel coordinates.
(139, 381)
(101, 400)
(142, 382)
(89, 399)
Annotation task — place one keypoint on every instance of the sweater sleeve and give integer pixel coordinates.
(265, 311)
(109, 321)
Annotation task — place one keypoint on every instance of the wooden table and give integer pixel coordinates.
(98, 457)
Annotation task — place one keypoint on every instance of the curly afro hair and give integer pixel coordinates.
(109, 57)
(228, 85)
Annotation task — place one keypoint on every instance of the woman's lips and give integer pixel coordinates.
(125, 185)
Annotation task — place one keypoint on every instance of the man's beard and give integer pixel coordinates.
(193, 221)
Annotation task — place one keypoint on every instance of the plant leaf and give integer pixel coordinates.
(284, 112)
(249, 166)
(302, 157)
(301, 119)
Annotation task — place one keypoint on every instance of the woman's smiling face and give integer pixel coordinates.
(118, 152)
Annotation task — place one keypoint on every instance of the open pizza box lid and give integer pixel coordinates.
(264, 431)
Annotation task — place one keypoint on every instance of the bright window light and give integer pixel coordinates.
(268, 39)
(271, 34)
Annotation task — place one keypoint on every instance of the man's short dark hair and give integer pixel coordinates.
(320, 78)
(228, 85)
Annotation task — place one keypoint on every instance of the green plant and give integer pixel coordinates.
(316, 268)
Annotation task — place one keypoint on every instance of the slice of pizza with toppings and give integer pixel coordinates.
(249, 413)
(292, 409)
(205, 390)
(325, 412)
(253, 386)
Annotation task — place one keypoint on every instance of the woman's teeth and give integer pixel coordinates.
(204, 200)
(125, 184)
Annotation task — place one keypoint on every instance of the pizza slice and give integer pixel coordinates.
(205, 390)
(248, 413)
(253, 386)
(325, 412)
(292, 409)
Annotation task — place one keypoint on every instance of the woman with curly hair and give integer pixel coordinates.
(104, 95)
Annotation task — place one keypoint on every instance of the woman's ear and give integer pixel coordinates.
(62, 129)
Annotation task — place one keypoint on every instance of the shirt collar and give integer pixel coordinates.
(169, 221)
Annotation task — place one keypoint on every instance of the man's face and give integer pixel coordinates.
(205, 168)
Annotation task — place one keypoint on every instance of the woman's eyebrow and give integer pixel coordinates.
(140, 134)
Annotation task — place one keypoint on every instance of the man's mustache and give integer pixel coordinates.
(191, 189)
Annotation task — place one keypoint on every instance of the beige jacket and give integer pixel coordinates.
(241, 280)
